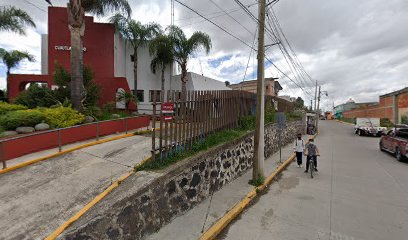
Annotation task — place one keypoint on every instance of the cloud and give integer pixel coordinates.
(355, 49)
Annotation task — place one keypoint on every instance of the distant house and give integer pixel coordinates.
(288, 98)
(272, 87)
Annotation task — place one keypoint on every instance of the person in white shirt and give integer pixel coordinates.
(298, 148)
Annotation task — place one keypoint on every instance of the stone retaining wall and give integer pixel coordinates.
(148, 200)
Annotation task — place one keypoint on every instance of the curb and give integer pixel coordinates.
(30, 162)
(225, 220)
(347, 123)
(92, 203)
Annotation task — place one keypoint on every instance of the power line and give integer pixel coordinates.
(34, 5)
(227, 32)
(246, 44)
(228, 11)
(230, 16)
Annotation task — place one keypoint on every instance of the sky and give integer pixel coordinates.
(353, 49)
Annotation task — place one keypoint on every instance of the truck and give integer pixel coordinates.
(369, 126)
(395, 141)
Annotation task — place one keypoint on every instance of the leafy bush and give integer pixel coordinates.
(62, 79)
(293, 116)
(109, 107)
(404, 119)
(6, 107)
(61, 117)
(247, 123)
(385, 122)
(37, 96)
(20, 118)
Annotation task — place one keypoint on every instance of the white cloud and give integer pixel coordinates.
(353, 48)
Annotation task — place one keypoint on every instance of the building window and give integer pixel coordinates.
(139, 95)
(152, 94)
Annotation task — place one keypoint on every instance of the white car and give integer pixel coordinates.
(369, 126)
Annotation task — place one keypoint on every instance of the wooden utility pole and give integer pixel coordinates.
(315, 97)
(259, 142)
(317, 110)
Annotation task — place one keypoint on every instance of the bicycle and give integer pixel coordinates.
(312, 165)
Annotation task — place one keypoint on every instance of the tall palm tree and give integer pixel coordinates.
(76, 23)
(12, 58)
(14, 19)
(137, 34)
(161, 50)
(184, 48)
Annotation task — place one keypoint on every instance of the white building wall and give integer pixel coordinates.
(44, 54)
(148, 81)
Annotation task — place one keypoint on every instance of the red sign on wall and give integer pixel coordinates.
(167, 118)
(168, 107)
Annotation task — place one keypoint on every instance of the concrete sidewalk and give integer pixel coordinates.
(36, 199)
(190, 225)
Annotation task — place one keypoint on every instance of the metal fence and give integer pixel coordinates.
(14, 147)
(186, 120)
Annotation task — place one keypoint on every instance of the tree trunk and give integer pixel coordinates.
(183, 81)
(162, 85)
(77, 84)
(135, 69)
(8, 85)
(76, 23)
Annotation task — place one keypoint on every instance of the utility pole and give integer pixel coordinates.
(315, 97)
(318, 110)
(259, 140)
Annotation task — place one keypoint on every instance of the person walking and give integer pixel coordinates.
(311, 151)
(299, 148)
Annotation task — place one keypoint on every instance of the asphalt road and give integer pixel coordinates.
(359, 193)
(37, 199)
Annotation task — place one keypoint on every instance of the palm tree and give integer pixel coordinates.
(184, 48)
(137, 34)
(76, 16)
(14, 19)
(161, 50)
(12, 58)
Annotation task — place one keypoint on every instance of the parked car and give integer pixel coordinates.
(395, 141)
(369, 126)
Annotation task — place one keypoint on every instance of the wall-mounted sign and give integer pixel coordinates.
(66, 48)
(168, 108)
(167, 118)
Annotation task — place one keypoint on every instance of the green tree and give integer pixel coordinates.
(161, 50)
(14, 19)
(136, 34)
(12, 58)
(299, 103)
(184, 48)
(76, 24)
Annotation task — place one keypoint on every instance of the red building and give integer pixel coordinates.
(393, 106)
(99, 53)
